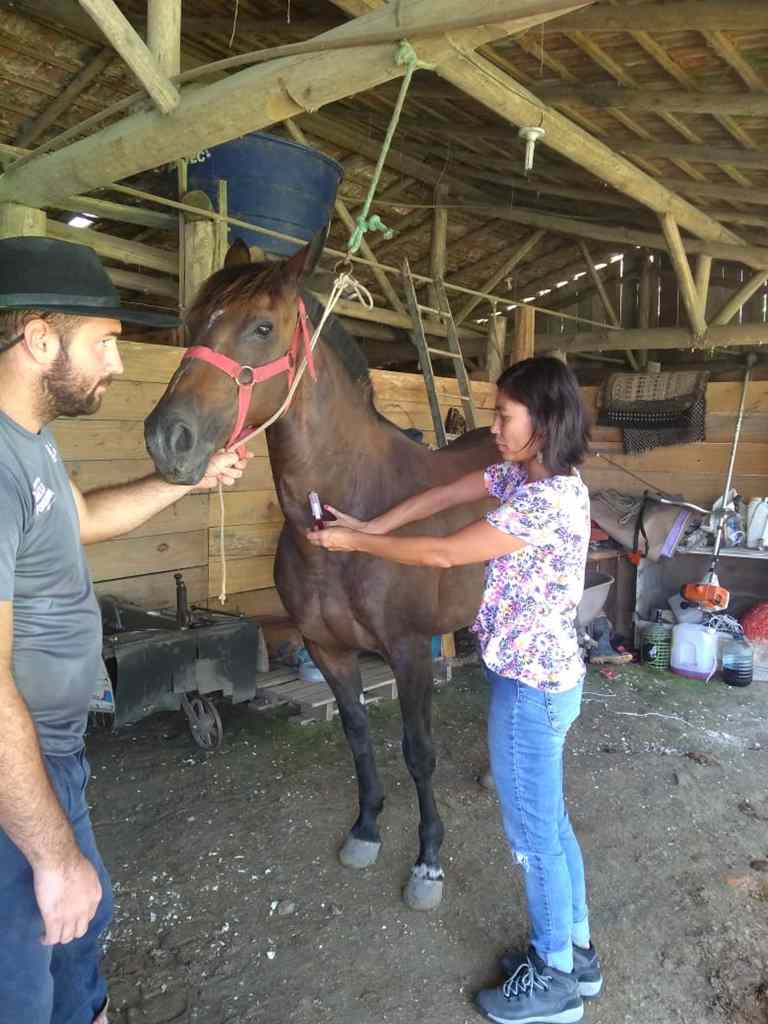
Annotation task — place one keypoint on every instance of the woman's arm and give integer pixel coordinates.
(477, 542)
(437, 499)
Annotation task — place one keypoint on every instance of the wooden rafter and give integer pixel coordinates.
(262, 95)
(649, 100)
(92, 70)
(684, 276)
(655, 338)
(725, 49)
(669, 16)
(506, 268)
(134, 51)
(740, 297)
(696, 154)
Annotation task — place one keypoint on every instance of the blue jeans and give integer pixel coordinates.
(59, 984)
(526, 735)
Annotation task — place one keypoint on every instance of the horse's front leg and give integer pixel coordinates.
(342, 670)
(412, 665)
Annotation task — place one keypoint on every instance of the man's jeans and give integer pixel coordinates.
(526, 735)
(58, 984)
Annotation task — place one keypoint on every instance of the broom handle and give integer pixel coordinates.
(751, 360)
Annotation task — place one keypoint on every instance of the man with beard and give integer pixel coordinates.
(59, 324)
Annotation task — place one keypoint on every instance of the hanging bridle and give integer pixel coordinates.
(245, 377)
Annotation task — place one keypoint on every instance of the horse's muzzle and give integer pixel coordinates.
(175, 448)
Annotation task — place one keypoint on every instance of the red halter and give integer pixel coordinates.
(246, 376)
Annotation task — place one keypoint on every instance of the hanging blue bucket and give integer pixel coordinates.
(272, 182)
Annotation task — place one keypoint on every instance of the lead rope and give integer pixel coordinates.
(344, 283)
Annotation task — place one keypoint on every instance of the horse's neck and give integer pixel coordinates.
(330, 441)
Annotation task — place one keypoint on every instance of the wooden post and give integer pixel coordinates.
(739, 298)
(684, 275)
(439, 240)
(132, 48)
(199, 248)
(703, 271)
(21, 220)
(599, 284)
(494, 353)
(164, 34)
(524, 338)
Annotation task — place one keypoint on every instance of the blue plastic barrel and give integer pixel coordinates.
(272, 182)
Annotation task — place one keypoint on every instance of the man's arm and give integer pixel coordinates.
(112, 511)
(66, 884)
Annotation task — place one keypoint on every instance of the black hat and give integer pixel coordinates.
(47, 274)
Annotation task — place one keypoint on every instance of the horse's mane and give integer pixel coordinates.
(344, 345)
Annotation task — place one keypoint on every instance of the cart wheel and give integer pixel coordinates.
(204, 722)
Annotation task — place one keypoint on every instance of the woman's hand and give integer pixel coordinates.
(344, 521)
(338, 539)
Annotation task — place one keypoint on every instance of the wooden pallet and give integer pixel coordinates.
(315, 700)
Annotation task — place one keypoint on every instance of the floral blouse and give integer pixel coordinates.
(526, 623)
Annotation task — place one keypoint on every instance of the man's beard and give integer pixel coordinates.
(65, 392)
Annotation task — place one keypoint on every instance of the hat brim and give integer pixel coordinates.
(129, 316)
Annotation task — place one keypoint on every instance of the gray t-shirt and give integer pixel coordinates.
(56, 620)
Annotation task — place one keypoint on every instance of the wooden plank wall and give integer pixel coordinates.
(109, 448)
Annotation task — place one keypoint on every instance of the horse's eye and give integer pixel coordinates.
(263, 330)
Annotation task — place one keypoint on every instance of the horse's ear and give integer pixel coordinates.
(237, 254)
(302, 263)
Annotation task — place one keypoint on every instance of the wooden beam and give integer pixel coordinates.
(481, 80)
(729, 336)
(597, 281)
(262, 95)
(687, 16)
(132, 48)
(703, 272)
(18, 220)
(437, 250)
(739, 298)
(684, 275)
(752, 255)
(650, 100)
(725, 49)
(501, 272)
(695, 154)
(114, 248)
(644, 293)
(348, 221)
(523, 341)
(496, 344)
(757, 196)
(92, 70)
(147, 284)
(103, 209)
(164, 34)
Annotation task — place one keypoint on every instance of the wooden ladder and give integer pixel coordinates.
(453, 352)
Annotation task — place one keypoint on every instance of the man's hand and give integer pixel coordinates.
(225, 468)
(68, 896)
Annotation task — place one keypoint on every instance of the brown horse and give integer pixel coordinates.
(331, 440)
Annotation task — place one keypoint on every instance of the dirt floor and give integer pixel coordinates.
(232, 907)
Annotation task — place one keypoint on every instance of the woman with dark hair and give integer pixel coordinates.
(535, 546)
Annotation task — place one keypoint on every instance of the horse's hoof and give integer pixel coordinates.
(423, 893)
(358, 853)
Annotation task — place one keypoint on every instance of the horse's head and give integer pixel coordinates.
(246, 335)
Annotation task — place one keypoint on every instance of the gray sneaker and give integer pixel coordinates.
(533, 994)
(586, 967)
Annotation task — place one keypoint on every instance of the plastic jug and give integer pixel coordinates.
(694, 651)
(737, 662)
(757, 524)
